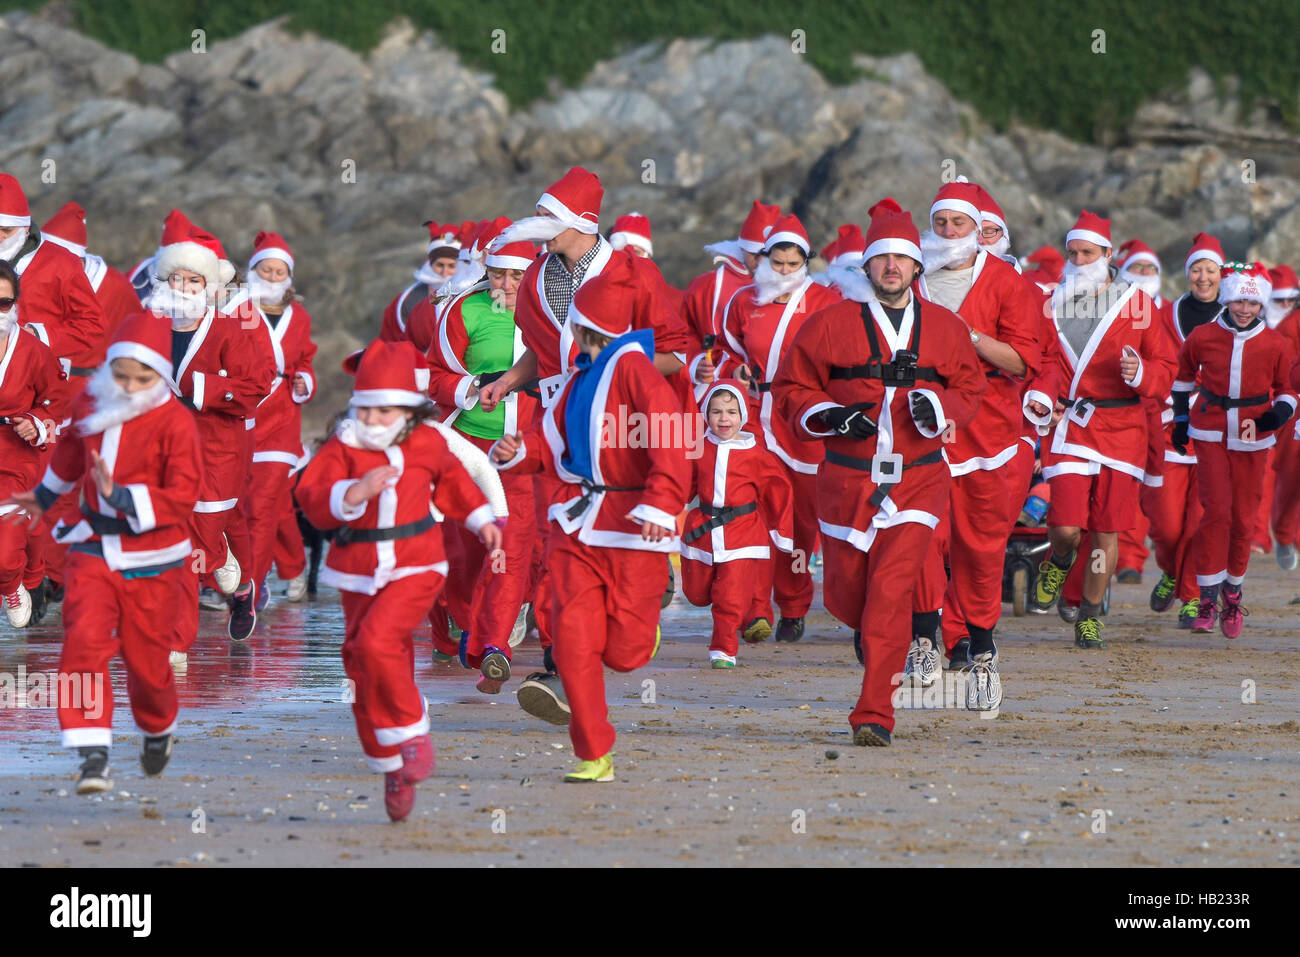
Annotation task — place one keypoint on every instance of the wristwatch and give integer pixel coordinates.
(975, 337)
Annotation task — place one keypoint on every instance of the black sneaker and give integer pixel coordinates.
(243, 616)
(871, 736)
(94, 771)
(541, 694)
(1129, 576)
(54, 593)
(40, 602)
(959, 657)
(857, 647)
(155, 754)
(789, 629)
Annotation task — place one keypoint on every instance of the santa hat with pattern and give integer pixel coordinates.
(67, 228)
(145, 337)
(1245, 281)
(13, 203)
(389, 373)
(1091, 228)
(1285, 284)
(788, 229)
(606, 302)
(757, 225)
(270, 246)
(632, 229)
(1204, 246)
(575, 200)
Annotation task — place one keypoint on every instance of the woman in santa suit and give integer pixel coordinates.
(477, 341)
(277, 437)
(760, 323)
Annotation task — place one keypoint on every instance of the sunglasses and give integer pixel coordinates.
(7, 303)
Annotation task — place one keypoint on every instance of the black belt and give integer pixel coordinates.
(531, 387)
(590, 488)
(103, 525)
(347, 535)
(717, 518)
(866, 465)
(763, 386)
(1224, 402)
(81, 371)
(887, 373)
(1101, 403)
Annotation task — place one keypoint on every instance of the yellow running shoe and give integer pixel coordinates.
(1047, 589)
(602, 769)
(658, 638)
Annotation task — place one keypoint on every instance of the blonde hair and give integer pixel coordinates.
(590, 337)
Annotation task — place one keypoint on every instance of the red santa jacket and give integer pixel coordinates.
(430, 476)
(392, 328)
(277, 436)
(224, 374)
(449, 381)
(29, 380)
(639, 452)
(998, 304)
(1045, 384)
(59, 304)
(1237, 364)
(707, 296)
(155, 458)
(760, 336)
(1086, 437)
(116, 297)
(876, 488)
(551, 339)
(734, 473)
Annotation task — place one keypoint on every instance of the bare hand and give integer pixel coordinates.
(490, 536)
(26, 430)
(28, 511)
(99, 472)
(1038, 408)
(299, 384)
(1129, 364)
(1057, 411)
(370, 485)
(491, 394)
(506, 447)
(652, 532)
(705, 371)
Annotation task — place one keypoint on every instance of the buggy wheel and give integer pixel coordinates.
(1105, 602)
(1019, 590)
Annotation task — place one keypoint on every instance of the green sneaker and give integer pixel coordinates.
(659, 637)
(1188, 613)
(1087, 633)
(602, 769)
(440, 658)
(1047, 587)
(1162, 596)
(722, 662)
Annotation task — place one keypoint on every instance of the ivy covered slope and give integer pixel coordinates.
(1077, 68)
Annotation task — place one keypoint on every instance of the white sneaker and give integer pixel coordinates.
(1287, 558)
(922, 662)
(228, 575)
(179, 661)
(297, 587)
(212, 600)
(18, 607)
(983, 685)
(520, 630)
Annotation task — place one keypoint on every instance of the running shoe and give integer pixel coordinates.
(541, 694)
(602, 769)
(789, 629)
(1287, 557)
(1087, 633)
(922, 662)
(94, 771)
(1233, 612)
(758, 630)
(243, 615)
(871, 736)
(155, 754)
(1187, 614)
(1162, 596)
(495, 670)
(417, 759)
(399, 797)
(983, 685)
(1047, 586)
(18, 607)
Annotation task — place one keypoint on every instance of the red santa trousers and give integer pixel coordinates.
(1261, 538)
(1174, 510)
(871, 592)
(379, 659)
(105, 613)
(1231, 484)
(605, 610)
(726, 586)
(267, 497)
(1133, 550)
(792, 581)
(1286, 493)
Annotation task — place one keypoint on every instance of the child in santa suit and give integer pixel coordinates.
(1242, 367)
(745, 502)
(132, 453)
(29, 376)
(614, 508)
(374, 482)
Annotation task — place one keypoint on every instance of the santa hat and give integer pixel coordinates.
(516, 255)
(632, 229)
(199, 252)
(1048, 261)
(990, 211)
(757, 225)
(1283, 279)
(1092, 228)
(788, 229)
(67, 228)
(886, 205)
(176, 227)
(575, 200)
(893, 232)
(13, 203)
(847, 248)
(389, 373)
(270, 246)
(1136, 251)
(442, 236)
(958, 197)
(1245, 281)
(488, 230)
(606, 302)
(465, 234)
(145, 337)
(1204, 246)
(733, 386)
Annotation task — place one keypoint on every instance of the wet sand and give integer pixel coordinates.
(1141, 754)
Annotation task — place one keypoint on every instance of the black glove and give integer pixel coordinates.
(1274, 418)
(851, 420)
(1179, 438)
(923, 411)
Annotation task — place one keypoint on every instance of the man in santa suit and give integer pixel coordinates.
(1044, 266)
(116, 296)
(877, 380)
(1284, 501)
(735, 260)
(986, 457)
(632, 232)
(439, 263)
(759, 324)
(1113, 353)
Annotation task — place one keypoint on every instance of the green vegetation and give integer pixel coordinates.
(1028, 59)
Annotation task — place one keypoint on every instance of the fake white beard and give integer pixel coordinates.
(769, 284)
(852, 282)
(1148, 284)
(9, 248)
(181, 308)
(1001, 247)
(1273, 313)
(352, 432)
(937, 252)
(1079, 281)
(730, 248)
(463, 279)
(267, 293)
(114, 405)
(426, 275)
(533, 229)
(8, 320)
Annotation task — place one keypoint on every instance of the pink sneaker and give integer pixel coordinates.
(417, 759)
(1204, 622)
(1233, 613)
(399, 797)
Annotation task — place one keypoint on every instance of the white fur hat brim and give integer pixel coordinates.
(193, 257)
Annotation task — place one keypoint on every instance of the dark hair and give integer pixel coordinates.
(795, 246)
(10, 273)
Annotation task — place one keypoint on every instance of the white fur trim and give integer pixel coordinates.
(624, 238)
(786, 236)
(198, 391)
(657, 516)
(1089, 236)
(191, 256)
(568, 217)
(126, 349)
(961, 206)
(76, 249)
(144, 519)
(891, 244)
(393, 397)
(271, 252)
(475, 520)
(341, 510)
